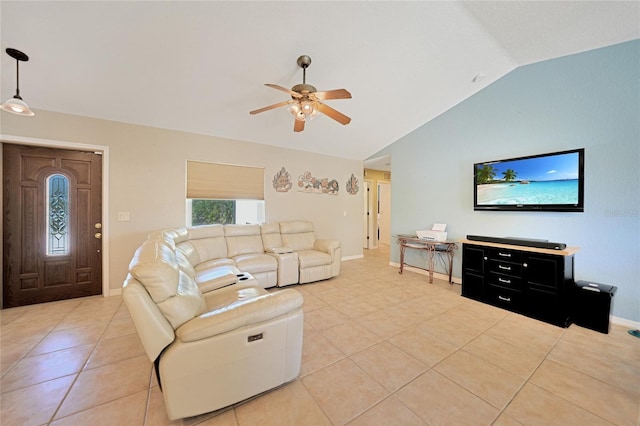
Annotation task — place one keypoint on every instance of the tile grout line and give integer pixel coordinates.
(26, 355)
(526, 381)
(392, 393)
(573, 369)
(82, 369)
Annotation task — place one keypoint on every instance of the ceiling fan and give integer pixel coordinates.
(305, 100)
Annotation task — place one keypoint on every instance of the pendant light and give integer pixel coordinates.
(16, 105)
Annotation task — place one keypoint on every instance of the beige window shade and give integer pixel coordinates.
(224, 181)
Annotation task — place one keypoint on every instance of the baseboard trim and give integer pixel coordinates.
(357, 256)
(437, 275)
(625, 322)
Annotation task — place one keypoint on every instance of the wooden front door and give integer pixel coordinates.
(51, 224)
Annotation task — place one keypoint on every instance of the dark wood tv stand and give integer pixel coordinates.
(532, 281)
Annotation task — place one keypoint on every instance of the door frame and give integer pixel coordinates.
(98, 149)
(368, 206)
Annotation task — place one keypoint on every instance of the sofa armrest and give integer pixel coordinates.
(152, 327)
(209, 280)
(240, 313)
(327, 246)
(288, 266)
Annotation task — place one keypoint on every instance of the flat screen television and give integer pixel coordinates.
(544, 182)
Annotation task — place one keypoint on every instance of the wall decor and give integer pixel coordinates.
(352, 185)
(282, 181)
(308, 183)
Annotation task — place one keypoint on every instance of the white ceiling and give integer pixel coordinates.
(201, 66)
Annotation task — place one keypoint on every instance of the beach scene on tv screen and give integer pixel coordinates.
(541, 180)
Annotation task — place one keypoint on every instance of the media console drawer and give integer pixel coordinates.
(531, 281)
(511, 282)
(507, 268)
(505, 254)
(505, 297)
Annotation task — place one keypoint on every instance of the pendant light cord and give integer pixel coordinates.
(18, 79)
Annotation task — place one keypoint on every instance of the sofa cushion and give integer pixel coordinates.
(205, 231)
(271, 237)
(311, 258)
(225, 297)
(300, 241)
(243, 239)
(210, 248)
(180, 234)
(296, 227)
(175, 292)
(241, 229)
(184, 264)
(204, 243)
(154, 265)
(186, 304)
(240, 310)
(297, 235)
(254, 263)
(187, 249)
(214, 264)
(165, 237)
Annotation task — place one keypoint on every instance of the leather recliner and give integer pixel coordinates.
(214, 349)
(319, 259)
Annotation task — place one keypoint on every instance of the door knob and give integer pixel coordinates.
(98, 235)
(98, 225)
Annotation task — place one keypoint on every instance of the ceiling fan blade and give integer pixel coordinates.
(333, 94)
(336, 115)
(267, 108)
(298, 125)
(284, 89)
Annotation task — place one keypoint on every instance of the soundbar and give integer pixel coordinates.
(519, 242)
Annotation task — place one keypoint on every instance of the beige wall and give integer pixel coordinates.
(146, 178)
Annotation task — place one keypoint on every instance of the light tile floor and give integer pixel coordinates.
(379, 349)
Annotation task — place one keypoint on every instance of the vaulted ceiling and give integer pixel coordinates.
(201, 66)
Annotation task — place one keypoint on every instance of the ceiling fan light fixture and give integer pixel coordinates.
(306, 102)
(309, 109)
(294, 109)
(303, 110)
(313, 113)
(16, 105)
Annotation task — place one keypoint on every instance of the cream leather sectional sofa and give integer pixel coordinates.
(198, 301)
(275, 254)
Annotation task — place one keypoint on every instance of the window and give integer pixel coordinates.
(206, 212)
(223, 193)
(57, 212)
